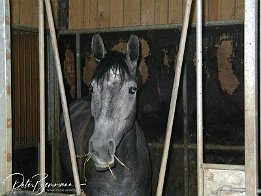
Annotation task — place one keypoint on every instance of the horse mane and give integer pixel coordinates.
(112, 60)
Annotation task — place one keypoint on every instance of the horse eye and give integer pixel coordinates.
(133, 90)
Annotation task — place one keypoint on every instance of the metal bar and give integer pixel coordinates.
(14, 86)
(25, 88)
(24, 28)
(34, 89)
(19, 91)
(30, 90)
(5, 99)
(251, 95)
(42, 93)
(230, 189)
(206, 147)
(199, 96)
(174, 98)
(259, 190)
(149, 27)
(63, 98)
(186, 136)
(50, 90)
(223, 167)
(78, 65)
(53, 112)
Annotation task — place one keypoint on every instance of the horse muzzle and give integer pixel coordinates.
(104, 167)
(102, 155)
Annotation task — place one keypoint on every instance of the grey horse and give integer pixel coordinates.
(111, 149)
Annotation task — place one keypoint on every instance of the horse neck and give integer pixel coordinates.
(128, 148)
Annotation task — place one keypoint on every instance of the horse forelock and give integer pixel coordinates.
(113, 62)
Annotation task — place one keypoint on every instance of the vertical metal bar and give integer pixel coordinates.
(174, 98)
(37, 90)
(42, 93)
(53, 112)
(259, 191)
(199, 98)
(14, 86)
(24, 89)
(185, 126)
(251, 95)
(5, 99)
(25, 86)
(78, 65)
(50, 91)
(30, 90)
(19, 91)
(34, 103)
(63, 98)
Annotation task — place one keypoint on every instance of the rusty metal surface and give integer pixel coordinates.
(224, 182)
(5, 98)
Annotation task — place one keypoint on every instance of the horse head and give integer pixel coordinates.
(113, 103)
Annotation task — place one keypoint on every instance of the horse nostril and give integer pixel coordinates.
(111, 147)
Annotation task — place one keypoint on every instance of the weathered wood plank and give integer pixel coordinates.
(116, 13)
(214, 9)
(104, 13)
(161, 11)
(193, 11)
(239, 10)
(35, 14)
(132, 10)
(205, 7)
(147, 12)
(90, 14)
(227, 10)
(75, 14)
(15, 11)
(175, 11)
(26, 13)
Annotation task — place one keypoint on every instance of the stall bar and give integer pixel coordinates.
(199, 96)
(63, 100)
(251, 95)
(174, 98)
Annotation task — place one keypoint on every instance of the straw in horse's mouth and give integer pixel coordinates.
(88, 157)
(112, 172)
(84, 165)
(120, 162)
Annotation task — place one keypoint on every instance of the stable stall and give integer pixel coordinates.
(198, 102)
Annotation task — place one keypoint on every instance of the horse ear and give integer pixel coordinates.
(98, 48)
(133, 50)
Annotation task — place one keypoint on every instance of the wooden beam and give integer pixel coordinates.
(116, 13)
(161, 11)
(147, 12)
(132, 11)
(104, 13)
(175, 11)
